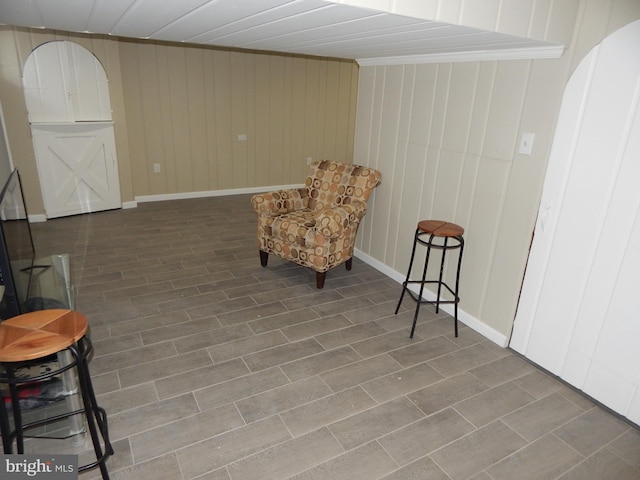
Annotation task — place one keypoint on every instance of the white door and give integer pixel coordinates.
(579, 313)
(67, 96)
(77, 167)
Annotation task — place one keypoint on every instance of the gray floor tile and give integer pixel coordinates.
(200, 378)
(363, 463)
(282, 354)
(289, 458)
(194, 338)
(542, 416)
(375, 422)
(447, 392)
(282, 398)
(602, 465)
(425, 436)
(360, 372)
(319, 363)
(326, 410)
(423, 469)
(526, 465)
(181, 433)
(591, 430)
(494, 403)
(478, 450)
(402, 382)
(230, 447)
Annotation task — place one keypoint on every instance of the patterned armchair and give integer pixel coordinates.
(315, 226)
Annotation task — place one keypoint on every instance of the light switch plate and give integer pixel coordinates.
(526, 143)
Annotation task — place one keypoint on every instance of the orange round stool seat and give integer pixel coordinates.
(39, 335)
(440, 228)
(443, 236)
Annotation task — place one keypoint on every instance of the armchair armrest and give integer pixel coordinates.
(333, 221)
(280, 201)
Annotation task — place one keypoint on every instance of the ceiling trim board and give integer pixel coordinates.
(530, 53)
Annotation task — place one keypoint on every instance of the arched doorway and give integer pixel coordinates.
(578, 312)
(67, 96)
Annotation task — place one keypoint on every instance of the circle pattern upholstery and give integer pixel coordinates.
(316, 226)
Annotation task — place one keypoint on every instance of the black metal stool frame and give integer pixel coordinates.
(95, 415)
(419, 298)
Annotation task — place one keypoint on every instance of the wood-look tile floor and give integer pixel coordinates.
(212, 367)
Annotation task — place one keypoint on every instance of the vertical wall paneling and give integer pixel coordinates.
(183, 107)
(263, 132)
(371, 155)
(387, 148)
(199, 180)
(298, 146)
(134, 114)
(201, 99)
(179, 159)
(276, 117)
(239, 124)
(288, 129)
(222, 85)
(443, 135)
(398, 179)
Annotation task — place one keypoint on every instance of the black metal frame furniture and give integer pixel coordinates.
(39, 335)
(443, 236)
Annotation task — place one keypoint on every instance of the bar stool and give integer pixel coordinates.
(435, 234)
(39, 335)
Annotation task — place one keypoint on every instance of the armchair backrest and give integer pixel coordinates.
(331, 184)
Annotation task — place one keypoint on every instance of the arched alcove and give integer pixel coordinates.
(64, 82)
(67, 95)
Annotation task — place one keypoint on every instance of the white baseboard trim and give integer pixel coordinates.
(212, 193)
(469, 320)
(184, 195)
(37, 218)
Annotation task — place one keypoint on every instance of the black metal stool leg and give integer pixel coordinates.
(422, 283)
(439, 292)
(406, 280)
(96, 417)
(17, 414)
(456, 297)
(5, 429)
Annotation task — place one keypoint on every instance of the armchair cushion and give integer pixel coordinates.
(281, 201)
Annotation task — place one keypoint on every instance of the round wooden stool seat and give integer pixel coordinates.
(440, 228)
(39, 334)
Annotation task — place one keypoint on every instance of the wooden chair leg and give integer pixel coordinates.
(320, 276)
(264, 258)
(349, 263)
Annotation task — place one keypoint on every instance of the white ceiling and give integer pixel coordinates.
(310, 27)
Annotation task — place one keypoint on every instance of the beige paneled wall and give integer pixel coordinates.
(183, 107)
(445, 137)
(186, 106)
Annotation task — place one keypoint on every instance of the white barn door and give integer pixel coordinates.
(579, 313)
(67, 96)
